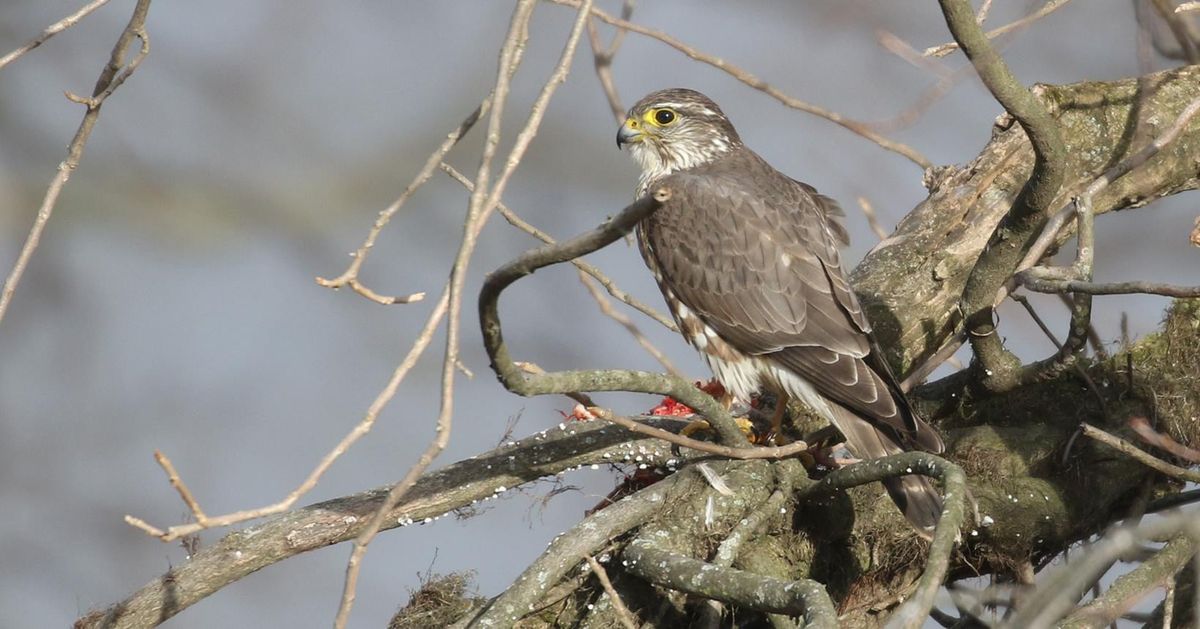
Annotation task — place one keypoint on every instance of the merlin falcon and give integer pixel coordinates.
(747, 259)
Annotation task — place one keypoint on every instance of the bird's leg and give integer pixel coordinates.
(776, 435)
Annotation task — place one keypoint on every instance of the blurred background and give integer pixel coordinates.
(171, 304)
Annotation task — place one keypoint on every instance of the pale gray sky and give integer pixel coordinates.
(171, 304)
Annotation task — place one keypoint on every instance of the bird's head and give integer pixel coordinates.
(676, 129)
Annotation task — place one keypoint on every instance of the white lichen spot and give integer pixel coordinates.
(987, 521)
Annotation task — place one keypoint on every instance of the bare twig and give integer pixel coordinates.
(1058, 591)
(944, 354)
(606, 308)
(51, 31)
(1139, 455)
(349, 277)
(746, 453)
(483, 202)
(868, 210)
(563, 554)
(945, 537)
(1128, 589)
(1030, 280)
(603, 58)
(622, 611)
(424, 337)
(854, 126)
(946, 79)
(1050, 7)
(180, 486)
(1179, 29)
(1056, 223)
(116, 71)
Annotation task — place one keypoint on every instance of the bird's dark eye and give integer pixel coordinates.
(664, 116)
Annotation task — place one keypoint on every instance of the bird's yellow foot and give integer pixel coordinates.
(700, 425)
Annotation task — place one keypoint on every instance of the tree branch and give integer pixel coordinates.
(607, 380)
(1022, 224)
(944, 237)
(112, 76)
(437, 494)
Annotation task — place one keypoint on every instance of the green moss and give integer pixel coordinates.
(1166, 366)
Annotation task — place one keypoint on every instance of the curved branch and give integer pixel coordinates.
(954, 496)
(801, 597)
(946, 235)
(1021, 226)
(569, 550)
(520, 383)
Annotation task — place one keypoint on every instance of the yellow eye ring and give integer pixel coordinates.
(664, 116)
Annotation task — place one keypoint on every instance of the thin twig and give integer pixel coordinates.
(180, 486)
(472, 480)
(669, 569)
(516, 221)
(51, 31)
(944, 354)
(1139, 455)
(619, 607)
(854, 126)
(746, 453)
(603, 57)
(868, 210)
(349, 277)
(424, 337)
(1047, 9)
(946, 80)
(607, 309)
(1056, 223)
(1179, 28)
(1032, 282)
(482, 203)
(112, 76)
(533, 368)
(1024, 301)
(1079, 370)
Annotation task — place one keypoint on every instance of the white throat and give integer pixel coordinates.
(657, 161)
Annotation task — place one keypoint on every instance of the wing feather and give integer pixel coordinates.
(756, 258)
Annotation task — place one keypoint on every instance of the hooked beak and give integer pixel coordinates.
(629, 132)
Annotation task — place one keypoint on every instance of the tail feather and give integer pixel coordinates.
(914, 494)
